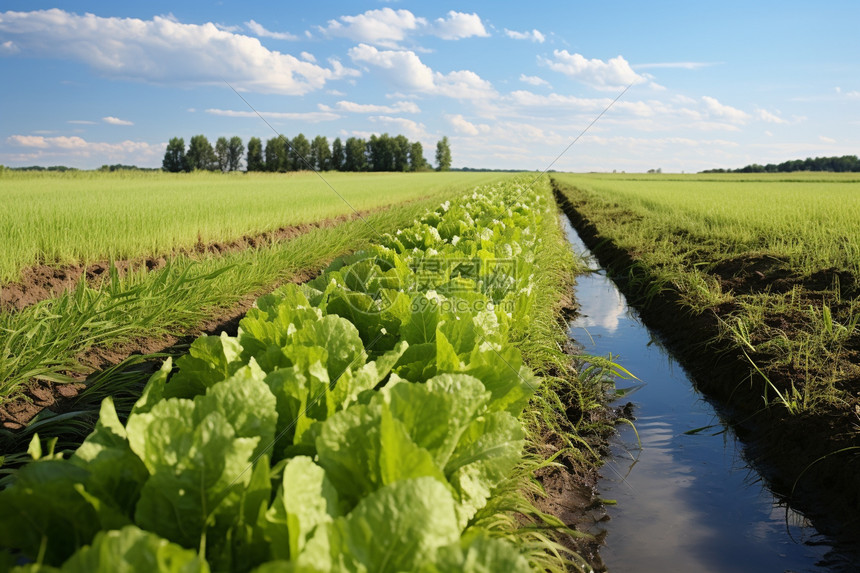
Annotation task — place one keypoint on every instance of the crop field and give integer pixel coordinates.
(59, 337)
(764, 273)
(50, 218)
(385, 416)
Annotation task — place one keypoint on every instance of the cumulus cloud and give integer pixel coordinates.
(533, 80)
(411, 129)
(612, 74)
(534, 35)
(258, 30)
(116, 121)
(398, 107)
(387, 27)
(732, 114)
(457, 25)
(405, 69)
(163, 51)
(464, 126)
(309, 116)
(308, 57)
(69, 149)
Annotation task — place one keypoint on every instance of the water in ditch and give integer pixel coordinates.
(686, 500)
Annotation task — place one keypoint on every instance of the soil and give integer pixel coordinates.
(61, 398)
(42, 282)
(798, 455)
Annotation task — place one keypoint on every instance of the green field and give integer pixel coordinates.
(811, 219)
(81, 217)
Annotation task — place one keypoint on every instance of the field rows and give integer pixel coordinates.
(372, 419)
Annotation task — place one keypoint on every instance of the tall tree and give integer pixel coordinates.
(337, 157)
(255, 155)
(276, 154)
(200, 154)
(400, 150)
(443, 155)
(416, 157)
(300, 151)
(320, 153)
(174, 157)
(235, 149)
(355, 155)
(222, 153)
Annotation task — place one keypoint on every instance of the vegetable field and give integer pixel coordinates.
(371, 419)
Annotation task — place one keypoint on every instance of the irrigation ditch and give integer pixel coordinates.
(715, 476)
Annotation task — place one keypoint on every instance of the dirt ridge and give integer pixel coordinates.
(42, 282)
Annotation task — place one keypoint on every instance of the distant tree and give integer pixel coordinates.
(443, 155)
(337, 157)
(320, 153)
(400, 151)
(222, 153)
(416, 157)
(380, 152)
(300, 152)
(277, 158)
(355, 155)
(174, 158)
(255, 155)
(235, 149)
(200, 154)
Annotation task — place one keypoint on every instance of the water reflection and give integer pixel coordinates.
(686, 500)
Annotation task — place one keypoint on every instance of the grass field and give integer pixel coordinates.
(810, 219)
(82, 217)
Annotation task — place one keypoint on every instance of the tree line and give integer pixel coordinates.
(846, 163)
(280, 154)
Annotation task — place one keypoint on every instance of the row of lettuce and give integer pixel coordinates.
(360, 422)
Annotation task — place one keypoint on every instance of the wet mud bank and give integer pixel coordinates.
(810, 461)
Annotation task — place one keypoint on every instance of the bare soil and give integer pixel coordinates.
(41, 282)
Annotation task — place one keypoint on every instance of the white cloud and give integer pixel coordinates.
(385, 27)
(116, 121)
(405, 69)
(825, 139)
(853, 94)
(411, 129)
(533, 80)
(81, 122)
(163, 51)
(534, 35)
(258, 30)
(308, 57)
(459, 25)
(74, 148)
(309, 116)
(732, 114)
(462, 125)
(769, 117)
(398, 107)
(8, 47)
(612, 74)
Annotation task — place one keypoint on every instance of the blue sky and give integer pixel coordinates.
(714, 84)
